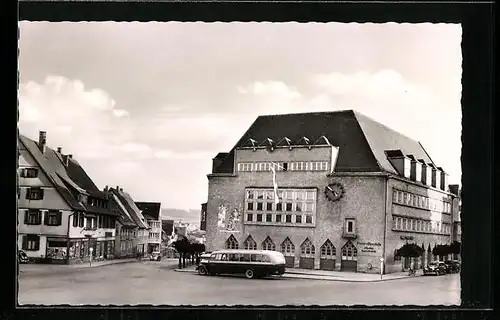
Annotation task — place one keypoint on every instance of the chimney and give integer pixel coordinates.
(443, 179)
(106, 189)
(65, 159)
(42, 140)
(70, 156)
(59, 150)
(117, 188)
(436, 176)
(454, 189)
(400, 162)
(416, 169)
(121, 189)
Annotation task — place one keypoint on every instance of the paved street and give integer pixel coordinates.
(158, 284)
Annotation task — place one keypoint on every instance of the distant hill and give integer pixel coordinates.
(191, 215)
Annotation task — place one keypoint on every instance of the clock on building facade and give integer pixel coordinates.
(334, 191)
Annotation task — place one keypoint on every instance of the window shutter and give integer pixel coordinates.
(75, 219)
(28, 193)
(26, 214)
(59, 218)
(35, 170)
(39, 217)
(22, 173)
(41, 193)
(46, 218)
(37, 243)
(25, 243)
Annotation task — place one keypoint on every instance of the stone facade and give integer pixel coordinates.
(373, 167)
(368, 199)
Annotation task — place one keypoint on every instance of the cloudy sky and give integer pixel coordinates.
(146, 106)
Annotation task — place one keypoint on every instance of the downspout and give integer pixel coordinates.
(386, 187)
(67, 240)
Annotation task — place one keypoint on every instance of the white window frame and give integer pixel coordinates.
(245, 166)
(346, 225)
(297, 198)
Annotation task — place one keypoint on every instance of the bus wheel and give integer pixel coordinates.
(202, 271)
(249, 274)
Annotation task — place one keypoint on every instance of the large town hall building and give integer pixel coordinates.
(351, 191)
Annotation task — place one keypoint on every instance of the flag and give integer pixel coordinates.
(275, 185)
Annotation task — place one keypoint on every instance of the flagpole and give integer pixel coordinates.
(275, 185)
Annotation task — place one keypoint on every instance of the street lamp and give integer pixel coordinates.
(381, 267)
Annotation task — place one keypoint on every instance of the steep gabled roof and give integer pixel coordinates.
(151, 209)
(70, 180)
(381, 138)
(47, 167)
(124, 219)
(129, 205)
(362, 141)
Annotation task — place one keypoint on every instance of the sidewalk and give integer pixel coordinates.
(40, 269)
(332, 275)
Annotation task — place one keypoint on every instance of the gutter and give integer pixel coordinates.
(386, 191)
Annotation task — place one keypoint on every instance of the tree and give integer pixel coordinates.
(455, 248)
(441, 250)
(410, 250)
(182, 246)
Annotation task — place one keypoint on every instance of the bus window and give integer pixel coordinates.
(222, 256)
(234, 257)
(214, 256)
(245, 257)
(256, 257)
(265, 259)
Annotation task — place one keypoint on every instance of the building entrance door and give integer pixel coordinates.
(349, 260)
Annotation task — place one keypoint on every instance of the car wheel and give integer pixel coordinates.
(202, 271)
(249, 274)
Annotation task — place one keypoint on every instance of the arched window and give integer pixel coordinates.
(250, 244)
(268, 244)
(307, 248)
(328, 249)
(349, 251)
(231, 243)
(287, 247)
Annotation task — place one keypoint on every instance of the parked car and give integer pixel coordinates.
(452, 266)
(436, 268)
(155, 256)
(22, 257)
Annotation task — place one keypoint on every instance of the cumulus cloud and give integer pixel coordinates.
(277, 88)
(73, 116)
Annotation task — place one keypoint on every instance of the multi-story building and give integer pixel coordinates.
(456, 234)
(61, 210)
(152, 213)
(140, 233)
(126, 228)
(349, 192)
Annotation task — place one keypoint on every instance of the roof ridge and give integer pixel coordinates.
(307, 113)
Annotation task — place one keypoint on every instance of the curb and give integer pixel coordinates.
(314, 277)
(328, 278)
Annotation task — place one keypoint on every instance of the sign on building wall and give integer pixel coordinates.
(369, 248)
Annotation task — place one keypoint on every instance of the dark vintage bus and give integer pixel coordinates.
(251, 263)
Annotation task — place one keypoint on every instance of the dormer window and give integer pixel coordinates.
(29, 172)
(400, 162)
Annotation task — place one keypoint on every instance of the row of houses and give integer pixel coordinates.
(331, 191)
(63, 217)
